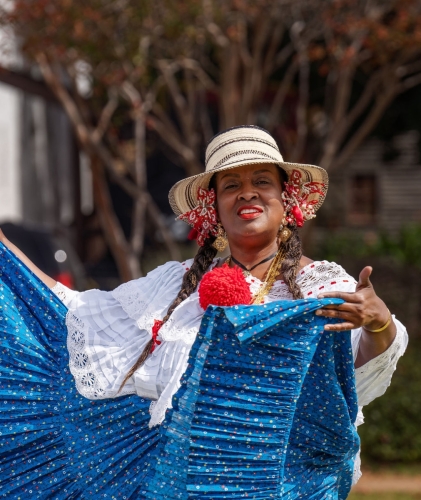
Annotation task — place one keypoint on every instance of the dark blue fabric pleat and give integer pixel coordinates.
(265, 409)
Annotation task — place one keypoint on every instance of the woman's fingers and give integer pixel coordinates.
(348, 317)
(346, 306)
(335, 313)
(339, 327)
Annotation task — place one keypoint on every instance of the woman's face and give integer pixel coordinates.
(249, 202)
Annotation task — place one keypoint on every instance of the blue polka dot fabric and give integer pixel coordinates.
(265, 409)
(54, 443)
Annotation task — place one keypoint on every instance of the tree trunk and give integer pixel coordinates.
(127, 263)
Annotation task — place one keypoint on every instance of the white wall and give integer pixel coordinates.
(10, 187)
(10, 126)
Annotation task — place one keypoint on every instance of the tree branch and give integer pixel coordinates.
(111, 227)
(105, 118)
(303, 99)
(281, 94)
(382, 102)
(169, 134)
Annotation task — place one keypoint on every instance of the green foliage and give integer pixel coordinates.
(404, 249)
(391, 432)
(335, 246)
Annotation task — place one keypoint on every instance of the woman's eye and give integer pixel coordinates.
(262, 181)
(230, 186)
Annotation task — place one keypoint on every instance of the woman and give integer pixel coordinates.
(138, 338)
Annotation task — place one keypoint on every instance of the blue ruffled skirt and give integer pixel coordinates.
(265, 410)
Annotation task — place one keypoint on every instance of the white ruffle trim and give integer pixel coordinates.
(80, 364)
(89, 380)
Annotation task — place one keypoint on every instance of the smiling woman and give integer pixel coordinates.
(249, 205)
(261, 403)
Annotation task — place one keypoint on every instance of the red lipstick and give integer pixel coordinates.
(248, 212)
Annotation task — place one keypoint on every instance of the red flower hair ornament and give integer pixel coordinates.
(203, 217)
(296, 195)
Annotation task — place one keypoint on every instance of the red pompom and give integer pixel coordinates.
(224, 286)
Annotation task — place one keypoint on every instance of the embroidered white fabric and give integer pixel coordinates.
(63, 293)
(108, 330)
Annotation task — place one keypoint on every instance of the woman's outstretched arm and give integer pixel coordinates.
(42, 276)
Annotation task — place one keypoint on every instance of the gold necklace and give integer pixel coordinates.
(269, 278)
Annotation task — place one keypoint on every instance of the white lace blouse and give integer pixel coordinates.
(107, 331)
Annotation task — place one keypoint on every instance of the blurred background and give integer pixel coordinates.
(105, 104)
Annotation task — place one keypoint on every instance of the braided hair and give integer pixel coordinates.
(291, 262)
(204, 258)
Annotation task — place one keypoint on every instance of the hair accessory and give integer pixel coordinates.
(221, 241)
(203, 216)
(296, 194)
(284, 233)
(238, 146)
(383, 327)
(155, 330)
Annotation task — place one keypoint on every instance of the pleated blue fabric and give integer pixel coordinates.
(265, 409)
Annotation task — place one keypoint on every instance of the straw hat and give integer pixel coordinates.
(235, 147)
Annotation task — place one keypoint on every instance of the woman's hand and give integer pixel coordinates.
(363, 308)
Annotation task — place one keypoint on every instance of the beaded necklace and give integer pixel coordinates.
(269, 278)
(247, 271)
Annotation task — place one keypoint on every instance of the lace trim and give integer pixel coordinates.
(315, 278)
(63, 293)
(386, 359)
(132, 299)
(158, 409)
(83, 370)
(322, 276)
(173, 334)
(360, 417)
(357, 468)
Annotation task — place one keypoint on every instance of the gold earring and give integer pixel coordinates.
(284, 233)
(221, 241)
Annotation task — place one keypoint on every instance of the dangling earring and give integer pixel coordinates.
(221, 241)
(284, 233)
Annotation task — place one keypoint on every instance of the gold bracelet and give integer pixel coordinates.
(383, 327)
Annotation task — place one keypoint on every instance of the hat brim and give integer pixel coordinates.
(183, 195)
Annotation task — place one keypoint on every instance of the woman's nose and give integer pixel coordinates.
(247, 192)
